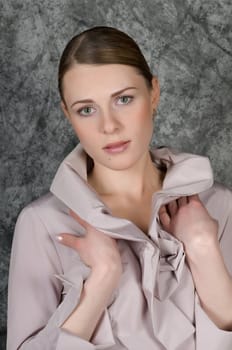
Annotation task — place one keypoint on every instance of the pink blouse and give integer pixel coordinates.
(155, 306)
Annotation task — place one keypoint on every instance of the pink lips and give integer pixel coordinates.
(116, 147)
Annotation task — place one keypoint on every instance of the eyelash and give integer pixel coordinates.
(127, 96)
(79, 111)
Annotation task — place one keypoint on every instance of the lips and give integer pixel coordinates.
(115, 145)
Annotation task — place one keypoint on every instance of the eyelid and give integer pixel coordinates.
(81, 109)
(131, 97)
(125, 95)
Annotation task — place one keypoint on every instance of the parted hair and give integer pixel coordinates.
(103, 45)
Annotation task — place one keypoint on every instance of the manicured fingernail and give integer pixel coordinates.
(59, 238)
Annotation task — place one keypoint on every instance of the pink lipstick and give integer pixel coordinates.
(116, 147)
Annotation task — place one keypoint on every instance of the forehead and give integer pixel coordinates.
(86, 77)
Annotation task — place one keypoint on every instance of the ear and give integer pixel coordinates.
(64, 109)
(155, 92)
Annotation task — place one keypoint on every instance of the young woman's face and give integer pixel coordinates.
(110, 108)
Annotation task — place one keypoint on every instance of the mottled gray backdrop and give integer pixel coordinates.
(189, 44)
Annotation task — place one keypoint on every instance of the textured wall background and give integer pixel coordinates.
(189, 43)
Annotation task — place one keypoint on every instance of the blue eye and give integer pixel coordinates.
(85, 111)
(125, 99)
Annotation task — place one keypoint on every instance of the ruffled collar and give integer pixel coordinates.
(162, 256)
(186, 174)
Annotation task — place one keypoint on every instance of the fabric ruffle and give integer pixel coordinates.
(161, 256)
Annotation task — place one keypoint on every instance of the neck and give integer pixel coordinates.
(135, 182)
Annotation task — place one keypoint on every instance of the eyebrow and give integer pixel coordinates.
(113, 95)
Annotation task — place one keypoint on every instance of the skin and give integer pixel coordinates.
(111, 117)
(134, 169)
(189, 221)
(111, 120)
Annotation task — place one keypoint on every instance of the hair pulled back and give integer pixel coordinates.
(103, 45)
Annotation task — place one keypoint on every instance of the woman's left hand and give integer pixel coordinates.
(189, 221)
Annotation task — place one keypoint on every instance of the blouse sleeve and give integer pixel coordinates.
(208, 335)
(35, 309)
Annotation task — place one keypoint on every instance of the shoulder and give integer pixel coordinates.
(44, 218)
(46, 203)
(36, 216)
(218, 197)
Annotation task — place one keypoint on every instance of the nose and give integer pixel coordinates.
(109, 123)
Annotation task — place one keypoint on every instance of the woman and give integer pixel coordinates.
(131, 248)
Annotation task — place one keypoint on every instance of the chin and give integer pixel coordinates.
(120, 164)
(121, 161)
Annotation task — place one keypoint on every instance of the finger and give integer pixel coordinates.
(182, 201)
(164, 216)
(194, 197)
(81, 221)
(172, 208)
(69, 240)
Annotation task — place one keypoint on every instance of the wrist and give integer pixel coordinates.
(104, 276)
(201, 247)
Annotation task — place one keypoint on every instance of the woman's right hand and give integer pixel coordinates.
(97, 250)
(100, 252)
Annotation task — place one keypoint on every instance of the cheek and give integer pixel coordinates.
(143, 116)
(82, 130)
(144, 109)
(144, 124)
(88, 139)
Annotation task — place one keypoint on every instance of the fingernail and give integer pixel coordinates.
(59, 238)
